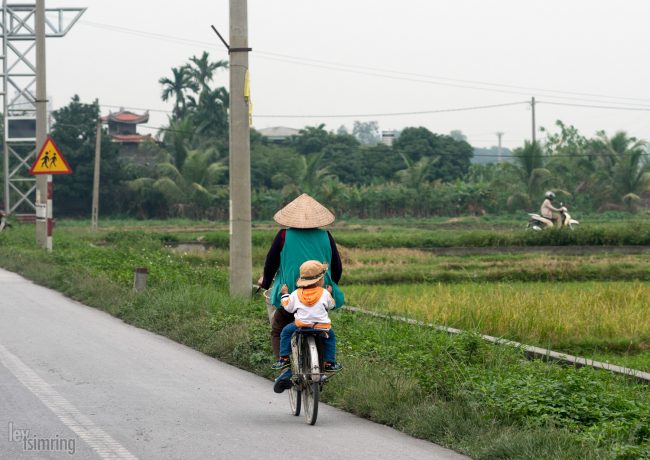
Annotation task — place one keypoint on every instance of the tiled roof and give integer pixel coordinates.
(124, 116)
(130, 138)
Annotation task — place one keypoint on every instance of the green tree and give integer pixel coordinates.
(272, 166)
(312, 139)
(200, 118)
(366, 132)
(208, 107)
(571, 164)
(529, 166)
(211, 113)
(623, 168)
(343, 155)
(453, 157)
(457, 135)
(189, 191)
(177, 87)
(379, 164)
(178, 138)
(202, 70)
(74, 131)
(308, 177)
(416, 173)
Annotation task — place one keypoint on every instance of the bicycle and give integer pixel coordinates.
(306, 364)
(307, 380)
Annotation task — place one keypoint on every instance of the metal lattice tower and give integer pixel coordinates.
(18, 94)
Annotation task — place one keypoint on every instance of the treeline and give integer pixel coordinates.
(422, 173)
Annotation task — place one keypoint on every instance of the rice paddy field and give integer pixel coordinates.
(587, 300)
(599, 320)
(583, 293)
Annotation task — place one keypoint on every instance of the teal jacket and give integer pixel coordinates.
(301, 245)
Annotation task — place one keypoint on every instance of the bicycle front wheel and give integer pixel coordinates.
(295, 397)
(311, 397)
(311, 389)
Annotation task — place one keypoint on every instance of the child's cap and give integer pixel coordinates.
(310, 272)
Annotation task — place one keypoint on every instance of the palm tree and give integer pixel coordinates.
(203, 70)
(176, 87)
(624, 170)
(211, 112)
(529, 167)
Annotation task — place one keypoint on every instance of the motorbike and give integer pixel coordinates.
(537, 222)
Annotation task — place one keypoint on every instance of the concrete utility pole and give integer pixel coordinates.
(532, 105)
(241, 270)
(43, 181)
(98, 154)
(499, 135)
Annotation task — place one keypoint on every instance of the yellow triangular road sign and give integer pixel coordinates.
(50, 160)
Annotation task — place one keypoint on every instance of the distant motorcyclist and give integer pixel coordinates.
(547, 209)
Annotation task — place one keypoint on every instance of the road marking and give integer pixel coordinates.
(100, 441)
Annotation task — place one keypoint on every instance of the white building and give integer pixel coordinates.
(278, 133)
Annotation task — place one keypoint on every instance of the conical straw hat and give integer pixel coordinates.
(304, 212)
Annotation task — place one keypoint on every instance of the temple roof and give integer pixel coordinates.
(124, 116)
(131, 138)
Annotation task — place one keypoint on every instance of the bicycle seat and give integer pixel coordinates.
(311, 331)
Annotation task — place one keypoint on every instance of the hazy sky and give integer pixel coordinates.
(358, 57)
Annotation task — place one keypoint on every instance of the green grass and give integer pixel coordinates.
(479, 399)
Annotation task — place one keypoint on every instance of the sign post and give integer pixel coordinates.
(49, 161)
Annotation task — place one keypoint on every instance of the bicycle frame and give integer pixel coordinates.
(307, 351)
(307, 377)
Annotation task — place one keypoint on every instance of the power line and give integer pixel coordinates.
(429, 79)
(357, 115)
(395, 114)
(640, 109)
(527, 88)
(392, 114)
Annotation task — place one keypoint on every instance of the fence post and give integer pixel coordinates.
(140, 279)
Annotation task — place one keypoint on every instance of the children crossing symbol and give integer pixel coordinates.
(49, 160)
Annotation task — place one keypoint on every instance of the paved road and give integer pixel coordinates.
(77, 383)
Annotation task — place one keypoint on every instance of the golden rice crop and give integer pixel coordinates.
(535, 312)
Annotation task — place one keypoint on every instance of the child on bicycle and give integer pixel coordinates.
(309, 303)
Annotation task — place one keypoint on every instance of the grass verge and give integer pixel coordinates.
(482, 400)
